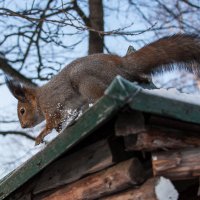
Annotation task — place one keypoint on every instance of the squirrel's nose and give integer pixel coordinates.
(23, 125)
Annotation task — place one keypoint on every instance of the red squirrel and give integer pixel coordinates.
(84, 80)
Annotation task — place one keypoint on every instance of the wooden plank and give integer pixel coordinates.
(178, 108)
(88, 160)
(148, 191)
(177, 165)
(140, 99)
(129, 123)
(105, 182)
(161, 138)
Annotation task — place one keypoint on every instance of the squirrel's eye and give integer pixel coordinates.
(22, 111)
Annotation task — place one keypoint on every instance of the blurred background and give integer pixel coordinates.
(38, 38)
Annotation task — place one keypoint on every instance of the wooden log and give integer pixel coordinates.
(145, 192)
(129, 123)
(177, 165)
(105, 182)
(68, 169)
(161, 138)
(150, 190)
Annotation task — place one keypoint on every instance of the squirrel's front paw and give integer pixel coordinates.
(38, 140)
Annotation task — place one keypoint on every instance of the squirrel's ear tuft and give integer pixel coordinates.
(16, 88)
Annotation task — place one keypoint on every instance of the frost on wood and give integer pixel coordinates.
(174, 94)
(165, 190)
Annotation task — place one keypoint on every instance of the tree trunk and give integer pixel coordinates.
(96, 41)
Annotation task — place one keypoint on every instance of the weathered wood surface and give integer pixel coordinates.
(161, 138)
(177, 107)
(129, 123)
(144, 192)
(68, 169)
(108, 181)
(177, 165)
(150, 190)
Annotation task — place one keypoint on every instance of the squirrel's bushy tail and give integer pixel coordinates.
(180, 49)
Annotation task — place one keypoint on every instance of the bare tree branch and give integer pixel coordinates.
(14, 73)
(4, 133)
(191, 4)
(81, 13)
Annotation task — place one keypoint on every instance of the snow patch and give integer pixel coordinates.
(174, 94)
(165, 190)
(72, 115)
(90, 105)
(154, 158)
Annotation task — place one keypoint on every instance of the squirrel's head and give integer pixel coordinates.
(29, 113)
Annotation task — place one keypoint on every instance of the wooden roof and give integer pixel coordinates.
(120, 93)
